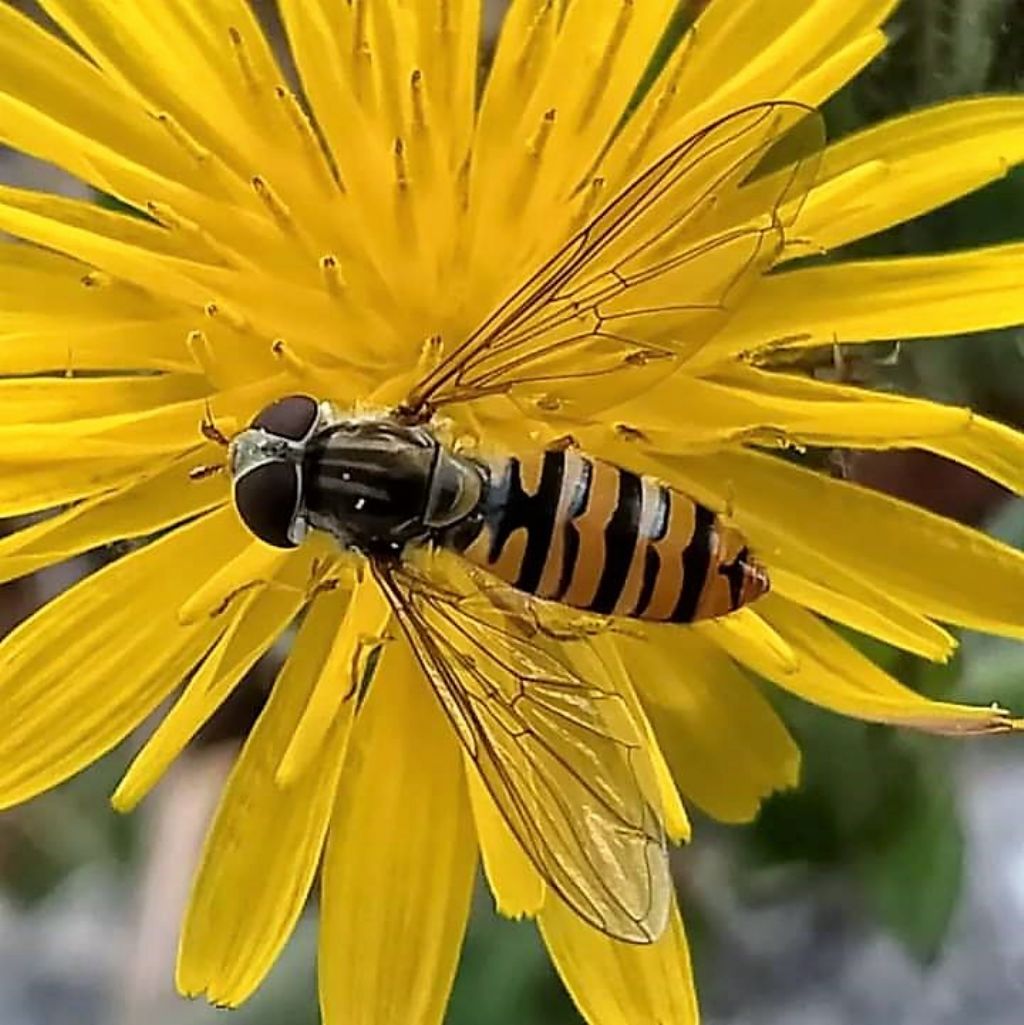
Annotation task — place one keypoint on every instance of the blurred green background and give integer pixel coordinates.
(886, 888)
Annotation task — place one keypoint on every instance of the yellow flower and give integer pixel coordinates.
(318, 241)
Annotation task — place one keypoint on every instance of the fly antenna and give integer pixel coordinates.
(209, 429)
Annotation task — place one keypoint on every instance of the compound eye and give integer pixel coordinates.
(292, 417)
(267, 499)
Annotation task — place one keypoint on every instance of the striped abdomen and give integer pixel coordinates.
(573, 529)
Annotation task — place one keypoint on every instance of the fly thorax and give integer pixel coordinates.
(379, 485)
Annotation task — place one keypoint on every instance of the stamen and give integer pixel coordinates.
(602, 73)
(198, 153)
(166, 216)
(201, 351)
(522, 187)
(317, 154)
(537, 32)
(316, 379)
(430, 354)
(662, 106)
(595, 187)
(419, 116)
(283, 352)
(540, 139)
(216, 310)
(333, 279)
(244, 61)
(445, 17)
(362, 58)
(217, 173)
(360, 37)
(401, 166)
(404, 207)
(548, 403)
(444, 67)
(276, 206)
(169, 218)
(96, 279)
(462, 182)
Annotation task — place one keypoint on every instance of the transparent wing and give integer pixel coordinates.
(560, 756)
(653, 275)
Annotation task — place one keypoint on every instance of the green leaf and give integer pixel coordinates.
(876, 805)
(914, 876)
(505, 976)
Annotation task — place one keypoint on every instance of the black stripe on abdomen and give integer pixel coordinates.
(541, 513)
(696, 560)
(620, 538)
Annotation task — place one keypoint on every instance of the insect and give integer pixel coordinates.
(560, 755)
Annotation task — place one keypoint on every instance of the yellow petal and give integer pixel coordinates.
(871, 612)
(122, 246)
(935, 566)
(47, 485)
(929, 157)
(835, 675)
(740, 52)
(254, 622)
(36, 400)
(542, 130)
(745, 632)
(349, 667)
(990, 448)
(913, 297)
(400, 859)
(262, 850)
(726, 747)
(518, 889)
(31, 346)
(758, 408)
(46, 75)
(162, 497)
(107, 453)
(254, 567)
(87, 668)
(609, 651)
(615, 983)
(187, 62)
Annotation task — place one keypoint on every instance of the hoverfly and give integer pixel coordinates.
(570, 779)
